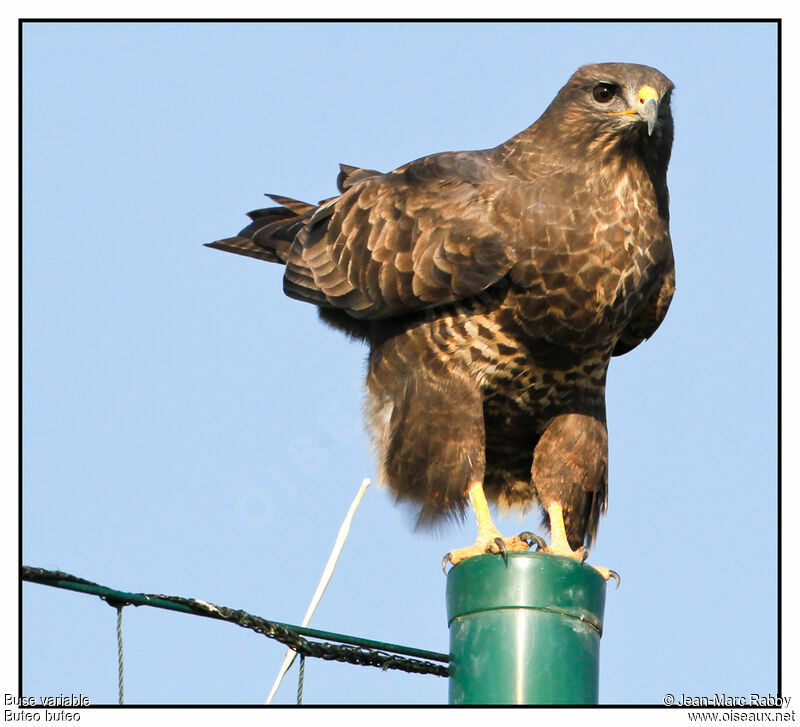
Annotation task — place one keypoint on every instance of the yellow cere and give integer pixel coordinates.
(644, 94)
(647, 92)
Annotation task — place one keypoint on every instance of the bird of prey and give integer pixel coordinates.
(492, 288)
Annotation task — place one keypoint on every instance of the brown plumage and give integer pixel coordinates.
(492, 288)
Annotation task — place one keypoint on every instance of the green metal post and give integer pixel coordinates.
(524, 631)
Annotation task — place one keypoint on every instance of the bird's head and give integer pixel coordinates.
(608, 101)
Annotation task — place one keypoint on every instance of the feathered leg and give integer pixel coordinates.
(429, 430)
(570, 476)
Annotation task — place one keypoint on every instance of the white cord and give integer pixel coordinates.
(344, 531)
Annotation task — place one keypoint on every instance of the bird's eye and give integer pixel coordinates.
(604, 92)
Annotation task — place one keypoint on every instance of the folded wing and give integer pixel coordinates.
(425, 235)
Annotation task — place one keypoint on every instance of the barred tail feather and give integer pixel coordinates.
(271, 233)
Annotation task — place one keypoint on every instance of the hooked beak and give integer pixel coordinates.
(647, 107)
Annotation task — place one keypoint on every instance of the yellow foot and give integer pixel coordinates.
(490, 541)
(559, 545)
(580, 555)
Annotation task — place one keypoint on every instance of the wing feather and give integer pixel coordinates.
(425, 235)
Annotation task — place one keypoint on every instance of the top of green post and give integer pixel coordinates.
(526, 580)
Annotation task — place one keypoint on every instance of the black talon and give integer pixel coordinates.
(500, 543)
(445, 561)
(532, 539)
(584, 551)
(613, 574)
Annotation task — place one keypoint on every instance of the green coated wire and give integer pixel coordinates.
(274, 629)
(199, 608)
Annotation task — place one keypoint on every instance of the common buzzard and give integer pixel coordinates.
(492, 288)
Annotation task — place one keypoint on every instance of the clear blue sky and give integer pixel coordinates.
(189, 430)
